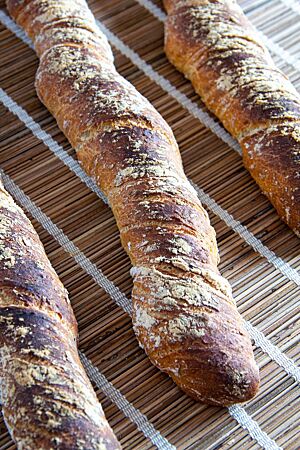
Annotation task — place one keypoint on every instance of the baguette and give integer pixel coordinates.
(184, 315)
(215, 46)
(47, 399)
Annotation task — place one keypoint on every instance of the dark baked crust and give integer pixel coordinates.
(183, 311)
(47, 400)
(215, 46)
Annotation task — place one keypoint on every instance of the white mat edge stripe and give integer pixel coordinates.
(294, 6)
(288, 271)
(85, 263)
(134, 414)
(271, 349)
(47, 139)
(249, 424)
(274, 47)
(14, 28)
(285, 362)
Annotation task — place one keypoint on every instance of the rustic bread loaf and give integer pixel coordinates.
(183, 312)
(215, 46)
(47, 399)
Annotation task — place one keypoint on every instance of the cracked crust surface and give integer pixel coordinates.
(47, 399)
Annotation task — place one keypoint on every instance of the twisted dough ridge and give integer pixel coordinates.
(183, 312)
(215, 46)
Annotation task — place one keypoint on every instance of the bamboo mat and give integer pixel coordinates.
(259, 254)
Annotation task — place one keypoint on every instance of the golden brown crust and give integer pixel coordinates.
(47, 400)
(214, 45)
(183, 312)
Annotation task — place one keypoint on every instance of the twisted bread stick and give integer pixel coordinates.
(47, 399)
(215, 46)
(183, 312)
